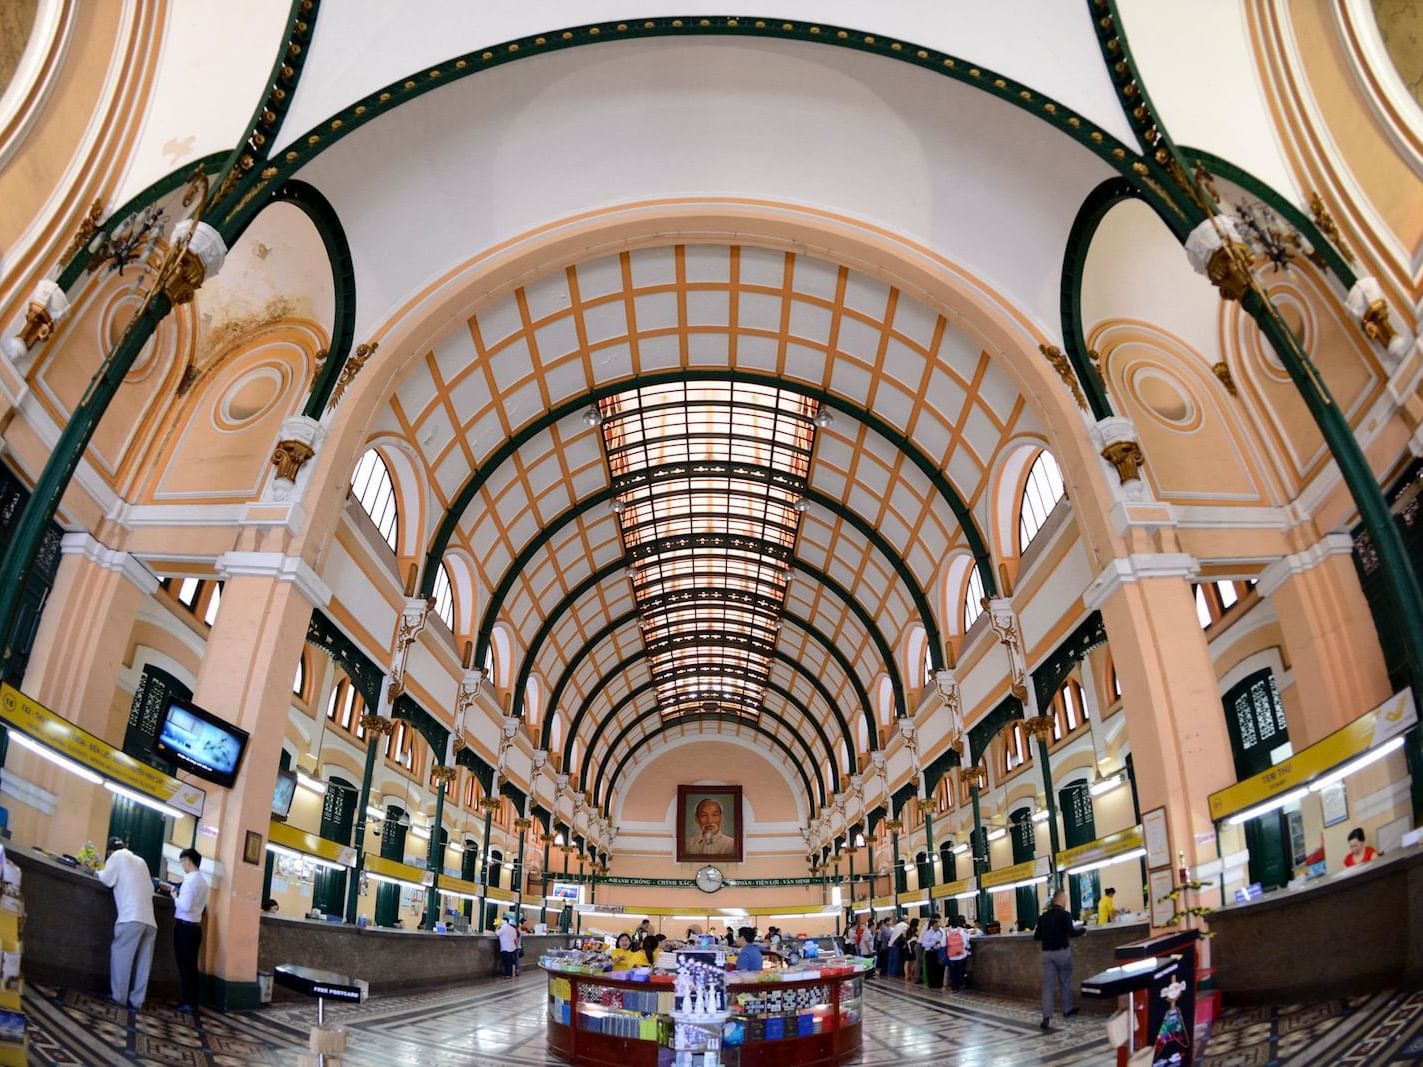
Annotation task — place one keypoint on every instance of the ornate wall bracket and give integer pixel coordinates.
(198, 253)
(1367, 304)
(1003, 621)
(289, 457)
(1216, 250)
(354, 362)
(47, 305)
(1117, 443)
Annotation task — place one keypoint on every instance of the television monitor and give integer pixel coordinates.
(199, 742)
(284, 792)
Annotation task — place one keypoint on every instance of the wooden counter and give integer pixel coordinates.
(1352, 933)
(390, 960)
(69, 927)
(1010, 965)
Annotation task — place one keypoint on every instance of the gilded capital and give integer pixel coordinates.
(289, 457)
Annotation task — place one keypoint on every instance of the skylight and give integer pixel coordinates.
(707, 478)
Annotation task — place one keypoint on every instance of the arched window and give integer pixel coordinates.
(1015, 747)
(299, 682)
(1069, 710)
(973, 598)
(884, 701)
(1040, 496)
(533, 700)
(372, 487)
(555, 733)
(862, 739)
(444, 597)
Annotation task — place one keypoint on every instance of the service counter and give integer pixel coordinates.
(390, 960)
(602, 1020)
(1010, 965)
(69, 927)
(1356, 932)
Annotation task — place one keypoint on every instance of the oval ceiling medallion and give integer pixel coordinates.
(1165, 398)
(250, 397)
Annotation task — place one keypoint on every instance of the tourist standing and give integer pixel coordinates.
(898, 939)
(956, 952)
(932, 942)
(135, 929)
(509, 947)
(1055, 930)
(189, 901)
(913, 954)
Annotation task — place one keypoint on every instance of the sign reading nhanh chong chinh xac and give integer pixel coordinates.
(36, 721)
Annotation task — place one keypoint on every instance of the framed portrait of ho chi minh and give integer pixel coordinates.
(709, 826)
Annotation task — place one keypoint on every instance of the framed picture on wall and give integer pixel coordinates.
(709, 824)
(1156, 838)
(1160, 885)
(1334, 803)
(252, 850)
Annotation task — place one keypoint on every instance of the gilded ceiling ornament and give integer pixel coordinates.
(442, 775)
(973, 776)
(1222, 372)
(1327, 226)
(374, 725)
(352, 367)
(1039, 727)
(88, 226)
(1063, 366)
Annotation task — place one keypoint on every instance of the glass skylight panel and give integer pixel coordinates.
(706, 477)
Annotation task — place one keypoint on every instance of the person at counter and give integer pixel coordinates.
(509, 947)
(135, 929)
(1107, 909)
(1055, 930)
(190, 898)
(1359, 850)
(932, 942)
(748, 958)
(624, 956)
(956, 952)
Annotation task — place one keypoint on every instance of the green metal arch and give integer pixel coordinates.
(506, 583)
(477, 478)
(1089, 216)
(612, 567)
(307, 147)
(780, 656)
(649, 686)
(343, 275)
(585, 649)
(683, 720)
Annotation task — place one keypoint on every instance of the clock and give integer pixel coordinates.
(709, 879)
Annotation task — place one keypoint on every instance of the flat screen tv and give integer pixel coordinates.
(284, 792)
(199, 742)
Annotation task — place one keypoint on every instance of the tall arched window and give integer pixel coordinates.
(372, 486)
(533, 700)
(863, 737)
(884, 701)
(444, 597)
(555, 733)
(299, 682)
(1040, 496)
(973, 598)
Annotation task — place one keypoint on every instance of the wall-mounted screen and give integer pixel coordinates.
(283, 793)
(198, 741)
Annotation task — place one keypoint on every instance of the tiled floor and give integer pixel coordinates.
(496, 1023)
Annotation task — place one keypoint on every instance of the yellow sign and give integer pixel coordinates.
(287, 836)
(953, 889)
(1103, 848)
(404, 872)
(1019, 872)
(495, 893)
(883, 902)
(37, 721)
(1372, 728)
(450, 884)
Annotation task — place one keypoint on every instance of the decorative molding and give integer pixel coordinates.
(82, 543)
(1281, 570)
(278, 567)
(1139, 566)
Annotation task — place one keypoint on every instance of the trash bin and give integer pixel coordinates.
(1156, 985)
(264, 986)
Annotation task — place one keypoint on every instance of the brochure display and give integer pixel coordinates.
(704, 1016)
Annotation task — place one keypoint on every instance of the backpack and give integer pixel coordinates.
(954, 943)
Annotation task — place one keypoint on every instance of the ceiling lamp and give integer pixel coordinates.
(802, 505)
(619, 505)
(593, 417)
(1101, 785)
(824, 417)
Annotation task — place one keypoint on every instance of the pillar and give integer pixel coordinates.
(80, 652)
(894, 827)
(245, 679)
(1171, 700)
(1331, 643)
(435, 857)
(1040, 727)
(488, 804)
(521, 827)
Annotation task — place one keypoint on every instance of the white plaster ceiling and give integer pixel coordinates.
(363, 45)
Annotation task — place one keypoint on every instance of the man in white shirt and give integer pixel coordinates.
(509, 947)
(189, 901)
(134, 929)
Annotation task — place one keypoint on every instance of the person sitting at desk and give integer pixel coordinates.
(1359, 852)
(749, 956)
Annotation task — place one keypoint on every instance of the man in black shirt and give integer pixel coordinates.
(1055, 930)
